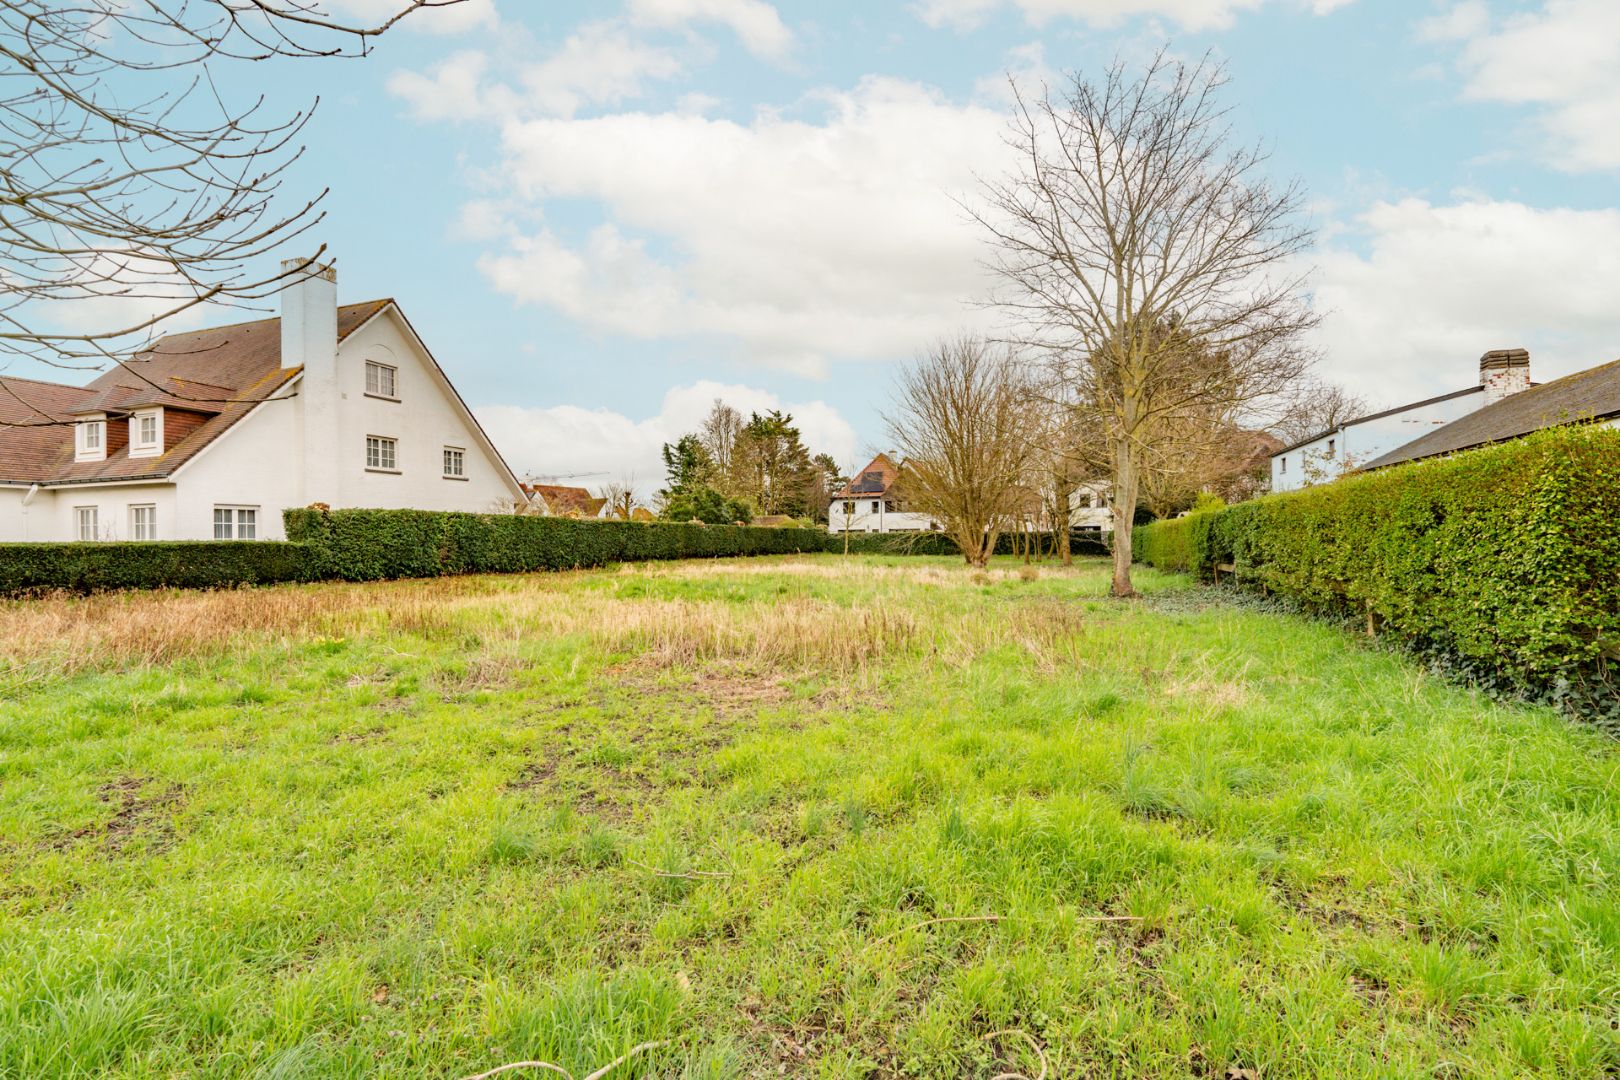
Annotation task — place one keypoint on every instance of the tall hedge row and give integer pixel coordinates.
(199, 564)
(367, 545)
(938, 543)
(1508, 556)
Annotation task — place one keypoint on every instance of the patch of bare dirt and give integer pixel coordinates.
(139, 808)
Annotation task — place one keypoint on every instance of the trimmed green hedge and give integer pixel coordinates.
(1508, 556)
(191, 564)
(367, 545)
(938, 543)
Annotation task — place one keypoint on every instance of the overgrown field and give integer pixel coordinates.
(806, 816)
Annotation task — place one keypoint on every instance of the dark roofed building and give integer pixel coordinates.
(1588, 395)
(874, 501)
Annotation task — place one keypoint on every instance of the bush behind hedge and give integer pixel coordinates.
(1507, 556)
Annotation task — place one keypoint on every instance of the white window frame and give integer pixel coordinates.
(457, 456)
(87, 516)
(139, 447)
(387, 449)
(375, 372)
(82, 432)
(139, 529)
(239, 525)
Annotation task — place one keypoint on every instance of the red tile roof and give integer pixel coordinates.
(221, 373)
(874, 480)
(566, 500)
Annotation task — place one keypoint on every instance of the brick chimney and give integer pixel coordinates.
(309, 340)
(1504, 372)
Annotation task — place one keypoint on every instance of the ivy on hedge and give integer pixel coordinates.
(1507, 556)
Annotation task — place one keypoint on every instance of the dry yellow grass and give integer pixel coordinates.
(53, 637)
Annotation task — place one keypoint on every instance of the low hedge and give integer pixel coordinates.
(938, 543)
(368, 545)
(1507, 556)
(189, 564)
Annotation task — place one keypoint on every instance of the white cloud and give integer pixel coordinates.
(1436, 286)
(1188, 14)
(455, 18)
(800, 239)
(599, 64)
(755, 22)
(1562, 58)
(567, 439)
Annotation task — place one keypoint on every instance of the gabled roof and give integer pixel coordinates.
(876, 479)
(1593, 394)
(561, 500)
(221, 373)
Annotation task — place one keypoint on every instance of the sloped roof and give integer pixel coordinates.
(566, 500)
(222, 372)
(1593, 394)
(876, 479)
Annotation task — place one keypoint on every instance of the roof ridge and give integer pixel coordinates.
(40, 382)
(381, 300)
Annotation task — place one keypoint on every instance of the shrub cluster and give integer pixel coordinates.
(1507, 556)
(192, 564)
(367, 545)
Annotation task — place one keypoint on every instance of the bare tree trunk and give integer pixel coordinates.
(1123, 505)
(1060, 523)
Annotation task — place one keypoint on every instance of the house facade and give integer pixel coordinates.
(873, 502)
(212, 434)
(1357, 443)
(1590, 396)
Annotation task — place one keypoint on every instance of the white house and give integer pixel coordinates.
(1356, 443)
(211, 434)
(872, 502)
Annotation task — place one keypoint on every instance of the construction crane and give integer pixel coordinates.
(547, 478)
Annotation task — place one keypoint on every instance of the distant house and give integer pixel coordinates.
(1088, 508)
(874, 501)
(1359, 443)
(209, 435)
(560, 501)
(1591, 395)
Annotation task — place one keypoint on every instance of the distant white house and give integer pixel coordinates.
(873, 502)
(211, 434)
(1356, 443)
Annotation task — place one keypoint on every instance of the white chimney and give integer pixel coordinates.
(308, 315)
(1503, 373)
(309, 340)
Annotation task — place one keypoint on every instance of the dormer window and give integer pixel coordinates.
(90, 439)
(146, 433)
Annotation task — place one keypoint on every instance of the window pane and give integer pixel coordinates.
(247, 524)
(371, 379)
(222, 524)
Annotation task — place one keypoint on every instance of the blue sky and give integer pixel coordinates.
(600, 216)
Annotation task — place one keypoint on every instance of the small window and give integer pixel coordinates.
(849, 507)
(381, 452)
(92, 435)
(1284, 464)
(874, 506)
(143, 523)
(89, 522)
(455, 461)
(1332, 444)
(236, 522)
(148, 432)
(381, 379)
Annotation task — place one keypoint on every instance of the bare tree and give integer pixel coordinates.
(962, 423)
(130, 189)
(1135, 244)
(622, 499)
(721, 429)
(1315, 407)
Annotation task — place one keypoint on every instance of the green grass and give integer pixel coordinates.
(433, 827)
